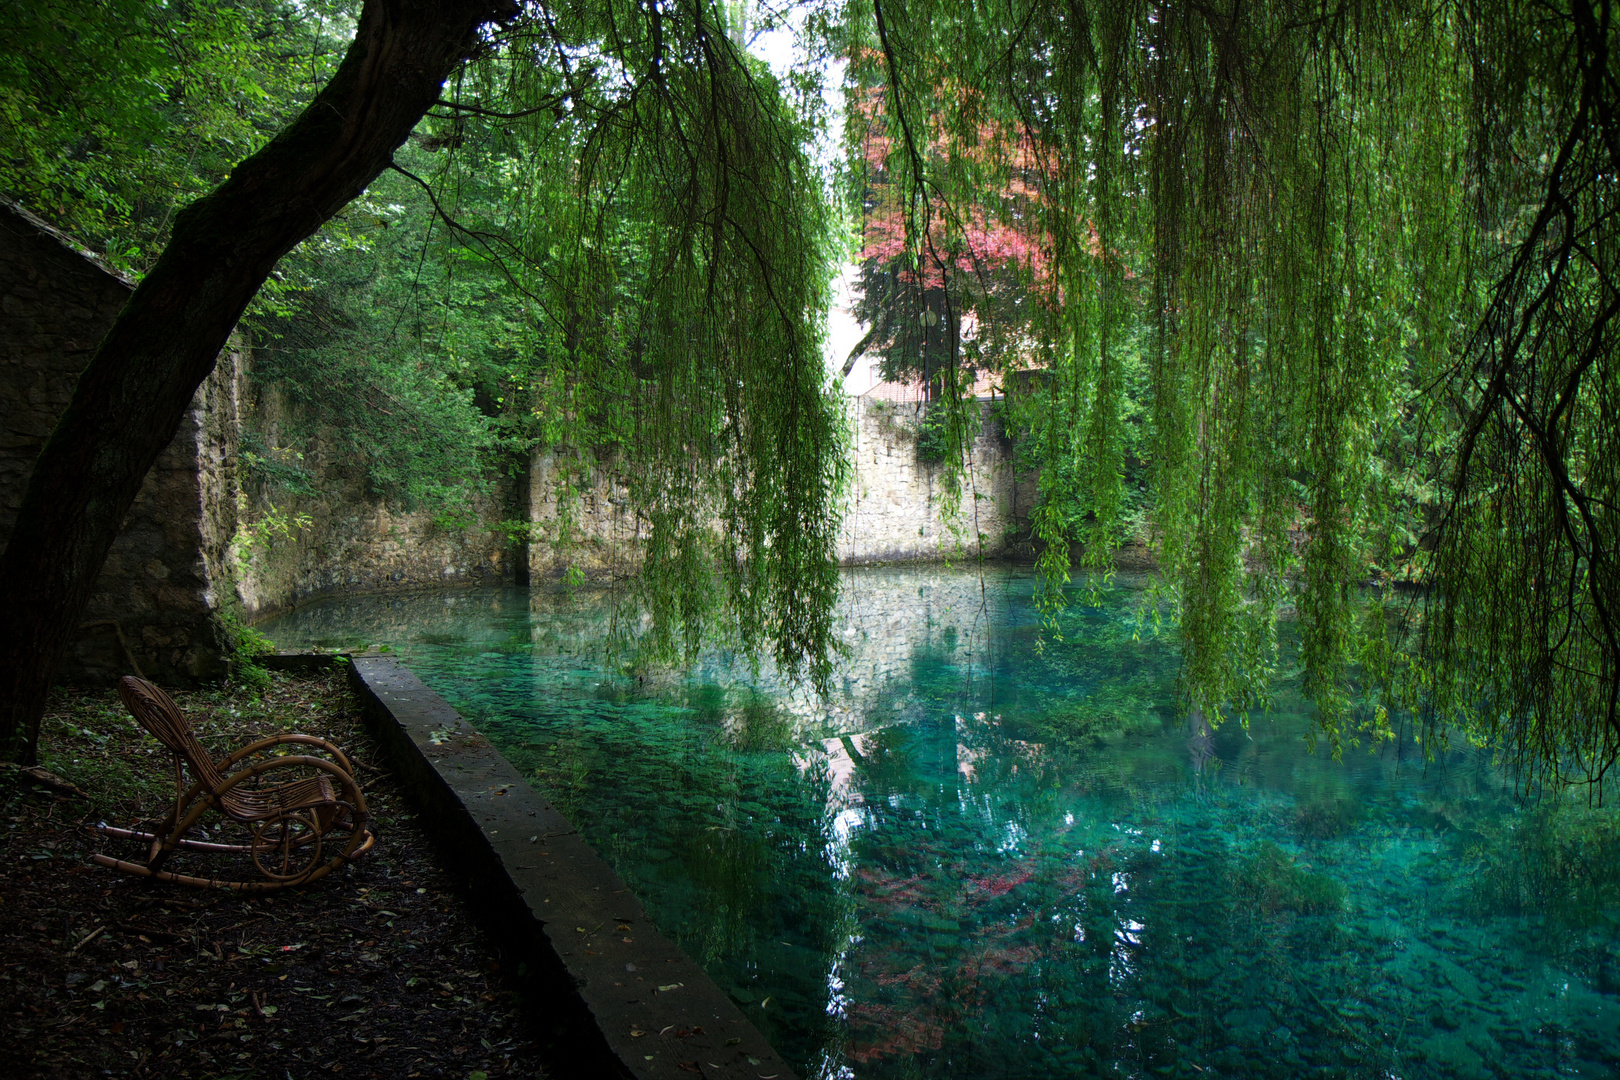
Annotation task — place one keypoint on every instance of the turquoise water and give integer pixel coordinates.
(992, 855)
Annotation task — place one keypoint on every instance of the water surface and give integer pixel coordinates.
(995, 854)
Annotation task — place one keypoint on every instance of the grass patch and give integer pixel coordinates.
(90, 740)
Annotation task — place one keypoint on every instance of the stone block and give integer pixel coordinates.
(58, 303)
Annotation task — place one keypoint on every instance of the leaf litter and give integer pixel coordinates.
(376, 971)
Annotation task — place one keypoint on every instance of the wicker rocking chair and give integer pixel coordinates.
(305, 815)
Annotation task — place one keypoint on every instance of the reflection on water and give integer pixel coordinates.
(993, 856)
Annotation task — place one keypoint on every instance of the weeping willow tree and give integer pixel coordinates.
(1364, 251)
(1370, 249)
(661, 218)
(644, 184)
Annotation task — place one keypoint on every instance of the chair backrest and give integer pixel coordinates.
(158, 714)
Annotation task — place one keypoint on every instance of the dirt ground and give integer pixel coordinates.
(376, 971)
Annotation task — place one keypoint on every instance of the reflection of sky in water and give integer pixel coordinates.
(980, 860)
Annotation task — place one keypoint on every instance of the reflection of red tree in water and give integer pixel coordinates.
(917, 890)
(905, 1007)
(1001, 884)
(902, 1033)
(917, 978)
(881, 888)
(999, 951)
(915, 1005)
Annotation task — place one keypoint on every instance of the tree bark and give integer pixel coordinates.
(130, 399)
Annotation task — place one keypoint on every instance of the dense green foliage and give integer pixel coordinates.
(113, 113)
(1365, 256)
(1322, 295)
(422, 340)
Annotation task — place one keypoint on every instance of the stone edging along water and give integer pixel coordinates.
(535, 877)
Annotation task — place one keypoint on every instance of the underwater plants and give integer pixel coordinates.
(1325, 818)
(1561, 861)
(1275, 882)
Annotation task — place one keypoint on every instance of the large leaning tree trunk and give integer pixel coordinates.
(131, 397)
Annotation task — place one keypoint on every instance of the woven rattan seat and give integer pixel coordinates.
(292, 805)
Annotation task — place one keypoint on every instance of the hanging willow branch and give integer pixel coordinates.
(1522, 629)
(645, 185)
(1285, 223)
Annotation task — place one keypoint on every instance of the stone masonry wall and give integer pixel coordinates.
(353, 542)
(56, 302)
(160, 587)
(897, 510)
(581, 519)
(152, 606)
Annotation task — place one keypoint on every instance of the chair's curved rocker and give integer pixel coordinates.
(295, 807)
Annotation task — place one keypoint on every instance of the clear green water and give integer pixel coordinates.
(985, 858)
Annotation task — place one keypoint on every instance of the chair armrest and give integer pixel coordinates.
(277, 740)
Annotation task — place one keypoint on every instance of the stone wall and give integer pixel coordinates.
(352, 541)
(152, 606)
(581, 520)
(897, 509)
(56, 302)
(358, 544)
(162, 584)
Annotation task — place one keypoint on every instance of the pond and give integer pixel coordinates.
(992, 853)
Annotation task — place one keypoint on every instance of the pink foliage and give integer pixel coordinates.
(894, 892)
(982, 243)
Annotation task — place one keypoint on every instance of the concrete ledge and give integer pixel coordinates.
(660, 1017)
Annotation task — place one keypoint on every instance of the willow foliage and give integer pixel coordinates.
(647, 188)
(1370, 248)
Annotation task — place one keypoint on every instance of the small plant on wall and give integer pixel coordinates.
(273, 525)
(247, 648)
(887, 415)
(934, 438)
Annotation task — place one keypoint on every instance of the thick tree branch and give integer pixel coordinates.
(131, 397)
